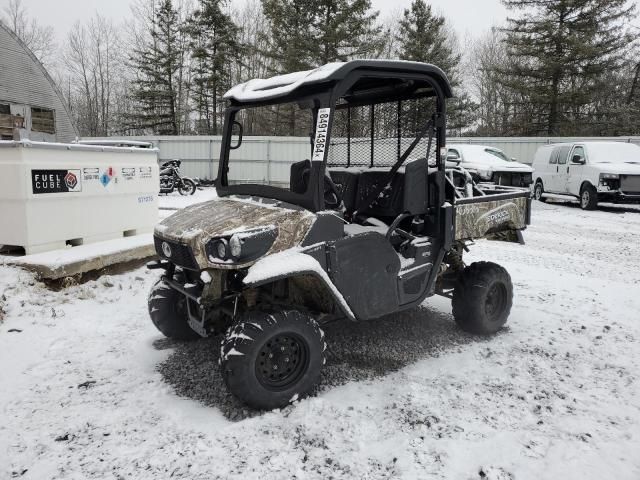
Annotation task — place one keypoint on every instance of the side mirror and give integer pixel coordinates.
(454, 159)
(578, 160)
(514, 159)
(236, 135)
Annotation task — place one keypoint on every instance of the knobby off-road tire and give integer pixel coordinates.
(588, 197)
(538, 190)
(168, 312)
(482, 298)
(187, 187)
(269, 360)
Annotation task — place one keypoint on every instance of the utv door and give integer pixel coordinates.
(365, 270)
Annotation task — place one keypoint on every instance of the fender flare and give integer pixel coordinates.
(326, 282)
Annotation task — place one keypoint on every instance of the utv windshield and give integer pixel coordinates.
(274, 137)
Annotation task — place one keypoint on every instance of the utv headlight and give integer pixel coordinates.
(241, 247)
(235, 244)
(220, 249)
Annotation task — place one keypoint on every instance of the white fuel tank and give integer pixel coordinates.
(53, 195)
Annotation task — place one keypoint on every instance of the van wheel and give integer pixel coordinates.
(168, 312)
(538, 190)
(588, 197)
(482, 298)
(269, 360)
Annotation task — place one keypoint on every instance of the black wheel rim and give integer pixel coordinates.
(282, 361)
(496, 302)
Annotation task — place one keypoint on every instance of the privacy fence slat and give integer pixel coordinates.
(267, 159)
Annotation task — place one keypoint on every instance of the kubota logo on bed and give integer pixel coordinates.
(106, 176)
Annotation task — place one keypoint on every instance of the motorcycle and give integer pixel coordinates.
(170, 179)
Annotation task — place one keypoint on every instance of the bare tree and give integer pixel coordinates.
(95, 75)
(39, 38)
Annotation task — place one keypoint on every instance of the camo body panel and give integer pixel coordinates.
(196, 225)
(476, 220)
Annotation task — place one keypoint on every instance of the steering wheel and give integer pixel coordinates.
(332, 197)
(394, 228)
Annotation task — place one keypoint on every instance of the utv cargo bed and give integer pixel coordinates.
(500, 210)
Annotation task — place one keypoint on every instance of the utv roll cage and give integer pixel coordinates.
(339, 87)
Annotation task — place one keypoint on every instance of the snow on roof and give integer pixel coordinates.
(261, 89)
(264, 89)
(74, 146)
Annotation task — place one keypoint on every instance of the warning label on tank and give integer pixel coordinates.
(56, 181)
(128, 173)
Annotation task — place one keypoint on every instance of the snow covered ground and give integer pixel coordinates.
(89, 389)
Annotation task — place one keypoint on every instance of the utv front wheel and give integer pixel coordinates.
(168, 312)
(482, 298)
(271, 359)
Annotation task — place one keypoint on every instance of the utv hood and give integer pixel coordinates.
(196, 225)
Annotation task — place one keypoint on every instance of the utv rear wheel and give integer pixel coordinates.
(271, 359)
(538, 190)
(588, 197)
(482, 298)
(168, 312)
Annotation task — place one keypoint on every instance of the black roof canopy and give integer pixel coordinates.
(391, 79)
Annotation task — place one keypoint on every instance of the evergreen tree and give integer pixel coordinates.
(157, 64)
(422, 36)
(346, 29)
(215, 48)
(563, 51)
(307, 33)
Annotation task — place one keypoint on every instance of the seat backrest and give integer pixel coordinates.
(347, 182)
(407, 191)
(297, 182)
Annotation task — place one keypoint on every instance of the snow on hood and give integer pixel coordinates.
(622, 168)
(197, 224)
(619, 153)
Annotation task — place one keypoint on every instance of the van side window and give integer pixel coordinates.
(579, 152)
(563, 154)
(553, 159)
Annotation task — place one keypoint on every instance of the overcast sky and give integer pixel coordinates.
(468, 17)
(464, 14)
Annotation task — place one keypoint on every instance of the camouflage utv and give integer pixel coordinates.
(370, 223)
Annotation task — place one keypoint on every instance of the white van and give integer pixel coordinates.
(590, 171)
(489, 164)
